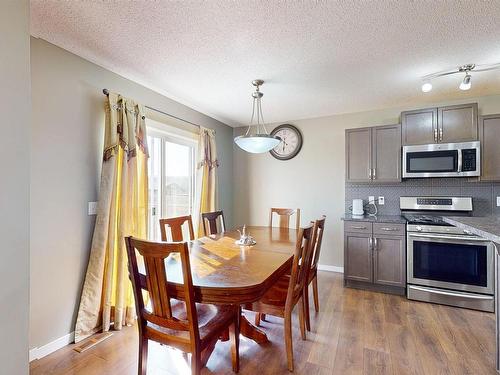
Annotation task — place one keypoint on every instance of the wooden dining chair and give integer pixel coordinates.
(313, 274)
(189, 327)
(176, 225)
(210, 218)
(284, 215)
(281, 299)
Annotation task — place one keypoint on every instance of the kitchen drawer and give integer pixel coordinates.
(358, 227)
(389, 229)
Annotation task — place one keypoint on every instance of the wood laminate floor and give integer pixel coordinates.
(356, 332)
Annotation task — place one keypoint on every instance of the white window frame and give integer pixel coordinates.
(171, 134)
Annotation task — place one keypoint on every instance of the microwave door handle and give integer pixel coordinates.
(459, 161)
(433, 236)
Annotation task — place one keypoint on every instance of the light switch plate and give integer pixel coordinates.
(498, 201)
(92, 209)
(371, 199)
(381, 201)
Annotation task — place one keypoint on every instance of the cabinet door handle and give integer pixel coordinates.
(386, 229)
(370, 173)
(358, 227)
(440, 134)
(371, 243)
(435, 135)
(375, 245)
(374, 173)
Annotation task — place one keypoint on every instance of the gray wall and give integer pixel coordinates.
(67, 146)
(314, 180)
(14, 195)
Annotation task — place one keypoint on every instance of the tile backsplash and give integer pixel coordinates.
(483, 193)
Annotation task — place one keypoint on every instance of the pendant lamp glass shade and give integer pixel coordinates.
(259, 141)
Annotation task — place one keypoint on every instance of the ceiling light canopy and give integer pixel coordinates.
(259, 141)
(466, 82)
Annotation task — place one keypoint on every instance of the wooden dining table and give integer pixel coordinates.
(226, 273)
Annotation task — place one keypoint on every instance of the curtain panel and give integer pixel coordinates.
(122, 211)
(206, 175)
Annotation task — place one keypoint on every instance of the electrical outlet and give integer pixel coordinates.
(371, 199)
(498, 201)
(92, 209)
(381, 201)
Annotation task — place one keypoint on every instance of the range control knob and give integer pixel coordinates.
(467, 231)
(419, 228)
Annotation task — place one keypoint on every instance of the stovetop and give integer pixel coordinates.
(425, 219)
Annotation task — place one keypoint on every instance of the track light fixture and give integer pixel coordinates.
(466, 82)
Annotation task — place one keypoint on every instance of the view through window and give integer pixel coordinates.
(171, 178)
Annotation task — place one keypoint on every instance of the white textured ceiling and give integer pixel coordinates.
(318, 57)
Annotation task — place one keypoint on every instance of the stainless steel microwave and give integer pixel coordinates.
(442, 160)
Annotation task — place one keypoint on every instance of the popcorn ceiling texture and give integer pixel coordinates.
(483, 194)
(318, 57)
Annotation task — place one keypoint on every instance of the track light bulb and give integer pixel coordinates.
(426, 86)
(466, 83)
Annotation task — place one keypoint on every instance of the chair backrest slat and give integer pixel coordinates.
(320, 227)
(175, 224)
(301, 263)
(211, 219)
(154, 255)
(284, 216)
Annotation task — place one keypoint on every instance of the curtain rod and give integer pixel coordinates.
(106, 92)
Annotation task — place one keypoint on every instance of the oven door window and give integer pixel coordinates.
(450, 262)
(432, 161)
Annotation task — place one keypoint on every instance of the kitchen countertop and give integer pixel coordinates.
(398, 219)
(487, 227)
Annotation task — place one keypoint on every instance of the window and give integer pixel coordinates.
(171, 168)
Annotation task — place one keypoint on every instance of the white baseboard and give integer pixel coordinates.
(51, 347)
(324, 267)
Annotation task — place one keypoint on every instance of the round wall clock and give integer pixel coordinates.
(291, 142)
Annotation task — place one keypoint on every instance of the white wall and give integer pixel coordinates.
(314, 179)
(68, 113)
(14, 196)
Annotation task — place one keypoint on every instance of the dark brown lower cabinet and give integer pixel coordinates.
(375, 261)
(389, 261)
(358, 260)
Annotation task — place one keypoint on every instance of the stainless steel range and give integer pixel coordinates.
(445, 264)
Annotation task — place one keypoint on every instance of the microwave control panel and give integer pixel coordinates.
(468, 160)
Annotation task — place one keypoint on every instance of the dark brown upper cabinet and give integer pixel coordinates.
(358, 145)
(489, 135)
(373, 154)
(419, 127)
(457, 123)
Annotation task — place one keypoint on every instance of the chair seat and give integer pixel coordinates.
(276, 296)
(212, 319)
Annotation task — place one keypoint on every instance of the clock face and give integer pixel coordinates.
(291, 142)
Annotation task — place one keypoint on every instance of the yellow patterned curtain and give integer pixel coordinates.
(121, 211)
(206, 175)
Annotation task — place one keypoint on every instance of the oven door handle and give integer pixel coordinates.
(441, 237)
(451, 294)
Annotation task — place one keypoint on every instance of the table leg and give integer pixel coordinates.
(250, 331)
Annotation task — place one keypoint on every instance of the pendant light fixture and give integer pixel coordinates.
(259, 141)
(465, 84)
